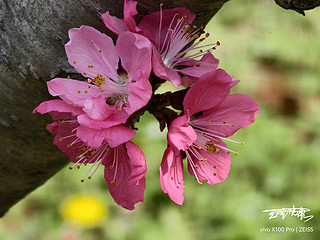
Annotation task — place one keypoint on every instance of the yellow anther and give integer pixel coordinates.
(92, 42)
(119, 109)
(79, 91)
(112, 182)
(200, 183)
(200, 147)
(236, 153)
(60, 140)
(62, 121)
(100, 51)
(72, 104)
(84, 73)
(102, 90)
(205, 159)
(214, 174)
(197, 166)
(74, 62)
(68, 77)
(242, 143)
(86, 91)
(232, 125)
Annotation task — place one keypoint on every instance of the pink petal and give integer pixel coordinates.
(161, 71)
(129, 11)
(97, 108)
(135, 54)
(234, 82)
(71, 91)
(237, 110)
(117, 173)
(171, 176)
(140, 94)
(58, 109)
(115, 117)
(138, 163)
(209, 91)
(115, 24)
(181, 135)
(214, 169)
(150, 23)
(92, 53)
(53, 127)
(65, 137)
(196, 69)
(113, 136)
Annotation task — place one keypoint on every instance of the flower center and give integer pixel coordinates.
(85, 154)
(178, 35)
(208, 141)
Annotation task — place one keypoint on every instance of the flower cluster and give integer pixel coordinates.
(94, 119)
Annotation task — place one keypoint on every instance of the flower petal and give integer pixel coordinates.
(171, 176)
(181, 135)
(138, 163)
(115, 24)
(140, 94)
(65, 137)
(161, 71)
(115, 117)
(135, 54)
(97, 108)
(237, 111)
(113, 136)
(215, 168)
(58, 109)
(92, 53)
(196, 69)
(117, 172)
(150, 23)
(129, 11)
(71, 91)
(209, 91)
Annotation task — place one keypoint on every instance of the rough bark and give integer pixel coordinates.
(32, 35)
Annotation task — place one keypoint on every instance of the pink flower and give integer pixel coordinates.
(112, 136)
(211, 115)
(170, 32)
(125, 164)
(111, 94)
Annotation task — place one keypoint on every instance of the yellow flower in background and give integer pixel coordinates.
(84, 210)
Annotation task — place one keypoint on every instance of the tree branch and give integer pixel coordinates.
(32, 38)
(298, 5)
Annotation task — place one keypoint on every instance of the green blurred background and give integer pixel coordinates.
(276, 55)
